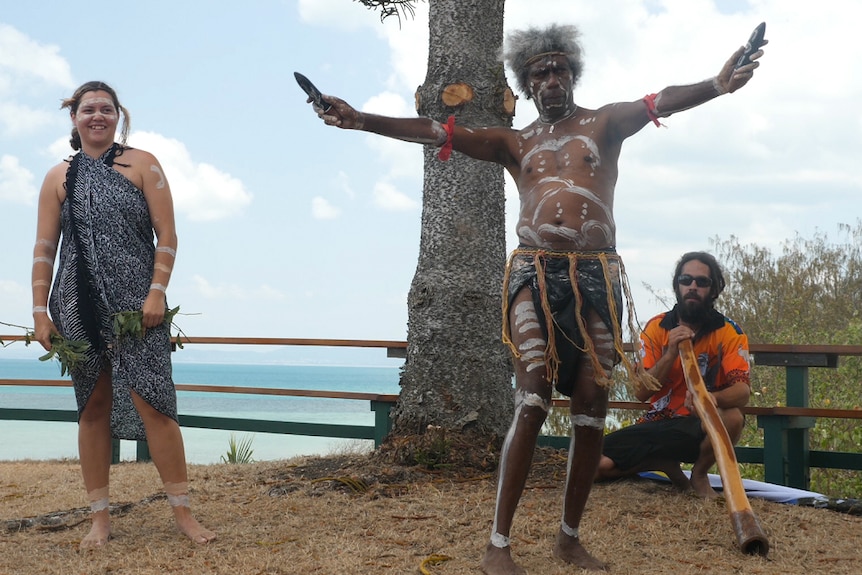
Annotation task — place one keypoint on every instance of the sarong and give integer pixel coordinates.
(105, 267)
(563, 286)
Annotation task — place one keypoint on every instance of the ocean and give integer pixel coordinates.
(58, 440)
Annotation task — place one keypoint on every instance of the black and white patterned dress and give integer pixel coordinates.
(106, 266)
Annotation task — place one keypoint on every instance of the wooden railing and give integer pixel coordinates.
(786, 455)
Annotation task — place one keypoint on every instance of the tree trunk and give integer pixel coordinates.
(457, 376)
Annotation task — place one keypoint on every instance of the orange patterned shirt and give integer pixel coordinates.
(721, 349)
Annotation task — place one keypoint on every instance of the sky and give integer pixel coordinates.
(290, 228)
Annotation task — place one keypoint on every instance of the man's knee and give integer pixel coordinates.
(531, 409)
(734, 421)
(607, 467)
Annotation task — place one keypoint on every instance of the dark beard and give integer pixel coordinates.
(693, 311)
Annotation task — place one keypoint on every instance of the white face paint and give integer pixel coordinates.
(91, 107)
(550, 83)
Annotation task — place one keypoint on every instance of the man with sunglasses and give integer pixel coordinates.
(670, 432)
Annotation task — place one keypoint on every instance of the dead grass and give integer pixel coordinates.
(351, 514)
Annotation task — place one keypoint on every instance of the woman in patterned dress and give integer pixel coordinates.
(109, 203)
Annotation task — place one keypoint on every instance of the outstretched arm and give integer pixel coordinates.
(629, 117)
(488, 144)
(727, 81)
(419, 130)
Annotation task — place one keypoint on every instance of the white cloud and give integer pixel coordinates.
(342, 182)
(322, 209)
(24, 59)
(16, 181)
(337, 14)
(408, 42)
(200, 191)
(389, 198)
(27, 67)
(17, 119)
(389, 104)
(261, 293)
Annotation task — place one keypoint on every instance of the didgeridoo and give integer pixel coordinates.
(748, 532)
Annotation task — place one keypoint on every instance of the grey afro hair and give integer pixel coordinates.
(521, 45)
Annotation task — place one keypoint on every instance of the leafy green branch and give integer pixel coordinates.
(69, 352)
(28, 334)
(130, 323)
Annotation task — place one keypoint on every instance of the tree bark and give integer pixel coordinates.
(458, 375)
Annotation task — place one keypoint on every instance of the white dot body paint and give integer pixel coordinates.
(160, 185)
(555, 145)
(540, 235)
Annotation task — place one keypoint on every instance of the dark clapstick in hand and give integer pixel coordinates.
(312, 91)
(753, 45)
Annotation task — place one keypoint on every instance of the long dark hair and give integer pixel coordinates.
(708, 260)
(73, 102)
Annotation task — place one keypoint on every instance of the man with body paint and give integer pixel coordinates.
(670, 432)
(564, 284)
(107, 202)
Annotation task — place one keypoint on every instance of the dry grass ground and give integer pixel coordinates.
(351, 514)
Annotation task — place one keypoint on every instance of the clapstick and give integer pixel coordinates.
(312, 91)
(754, 43)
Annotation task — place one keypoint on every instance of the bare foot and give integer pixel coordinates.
(679, 480)
(189, 526)
(498, 561)
(570, 550)
(700, 485)
(100, 531)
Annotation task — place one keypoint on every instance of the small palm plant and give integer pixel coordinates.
(240, 451)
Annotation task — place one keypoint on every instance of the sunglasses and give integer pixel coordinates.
(701, 281)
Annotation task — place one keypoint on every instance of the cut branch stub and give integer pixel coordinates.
(455, 95)
(509, 99)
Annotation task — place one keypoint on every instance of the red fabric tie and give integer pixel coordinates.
(446, 149)
(649, 100)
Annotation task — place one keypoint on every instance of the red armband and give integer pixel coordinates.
(649, 100)
(446, 149)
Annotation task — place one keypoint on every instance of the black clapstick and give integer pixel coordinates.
(753, 45)
(312, 92)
